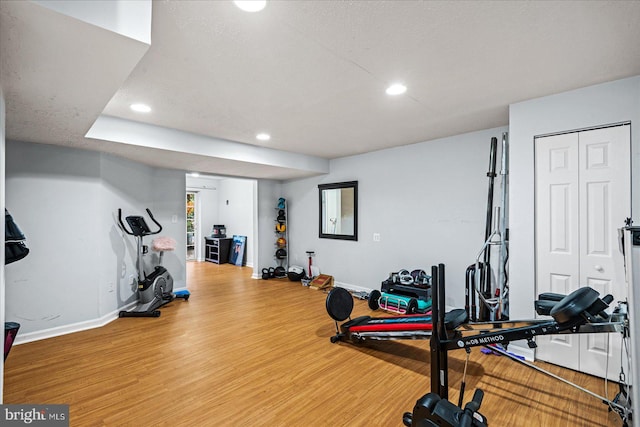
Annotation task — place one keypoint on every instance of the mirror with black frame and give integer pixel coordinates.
(338, 210)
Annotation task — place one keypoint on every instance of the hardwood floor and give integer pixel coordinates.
(256, 352)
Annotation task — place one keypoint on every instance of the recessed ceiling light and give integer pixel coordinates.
(263, 136)
(396, 89)
(251, 5)
(140, 108)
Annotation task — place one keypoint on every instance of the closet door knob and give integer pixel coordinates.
(599, 268)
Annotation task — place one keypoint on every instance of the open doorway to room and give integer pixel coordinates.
(223, 203)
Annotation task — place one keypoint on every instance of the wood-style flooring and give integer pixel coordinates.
(244, 352)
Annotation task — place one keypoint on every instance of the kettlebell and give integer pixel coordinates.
(265, 273)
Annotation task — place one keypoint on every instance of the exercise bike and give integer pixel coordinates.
(156, 288)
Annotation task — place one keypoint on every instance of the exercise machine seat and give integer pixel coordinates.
(546, 301)
(574, 304)
(455, 318)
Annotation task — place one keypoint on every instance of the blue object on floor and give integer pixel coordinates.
(182, 293)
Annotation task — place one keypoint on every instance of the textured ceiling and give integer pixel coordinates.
(313, 73)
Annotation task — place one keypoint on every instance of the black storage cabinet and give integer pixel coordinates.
(217, 249)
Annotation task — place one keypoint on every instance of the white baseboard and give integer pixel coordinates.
(76, 327)
(522, 350)
(350, 287)
(71, 328)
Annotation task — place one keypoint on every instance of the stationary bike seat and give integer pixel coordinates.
(164, 243)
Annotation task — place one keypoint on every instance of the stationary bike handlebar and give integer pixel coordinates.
(154, 220)
(144, 233)
(122, 223)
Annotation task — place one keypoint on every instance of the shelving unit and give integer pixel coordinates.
(282, 232)
(217, 249)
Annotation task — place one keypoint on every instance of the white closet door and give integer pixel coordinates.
(557, 240)
(583, 195)
(605, 201)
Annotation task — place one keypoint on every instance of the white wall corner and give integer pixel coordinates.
(130, 18)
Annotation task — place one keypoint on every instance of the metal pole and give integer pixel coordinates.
(486, 277)
(502, 277)
(631, 252)
(552, 375)
(141, 275)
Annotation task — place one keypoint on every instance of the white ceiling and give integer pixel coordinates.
(310, 73)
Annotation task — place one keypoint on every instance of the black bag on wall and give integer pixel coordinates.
(14, 241)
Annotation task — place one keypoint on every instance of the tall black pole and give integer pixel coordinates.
(486, 277)
(439, 355)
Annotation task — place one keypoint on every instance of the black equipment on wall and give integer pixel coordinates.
(480, 300)
(15, 247)
(10, 332)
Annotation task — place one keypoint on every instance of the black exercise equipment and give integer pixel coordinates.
(339, 304)
(432, 410)
(582, 311)
(485, 279)
(268, 273)
(404, 293)
(279, 272)
(420, 278)
(481, 301)
(156, 288)
(10, 332)
(295, 273)
(15, 247)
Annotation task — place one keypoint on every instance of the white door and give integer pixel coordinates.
(557, 240)
(583, 194)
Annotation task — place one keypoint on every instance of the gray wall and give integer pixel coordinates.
(2, 203)
(267, 198)
(603, 104)
(81, 269)
(236, 211)
(427, 201)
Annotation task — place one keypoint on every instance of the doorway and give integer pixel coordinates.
(192, 225)
(582, 195)
(227, 201)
